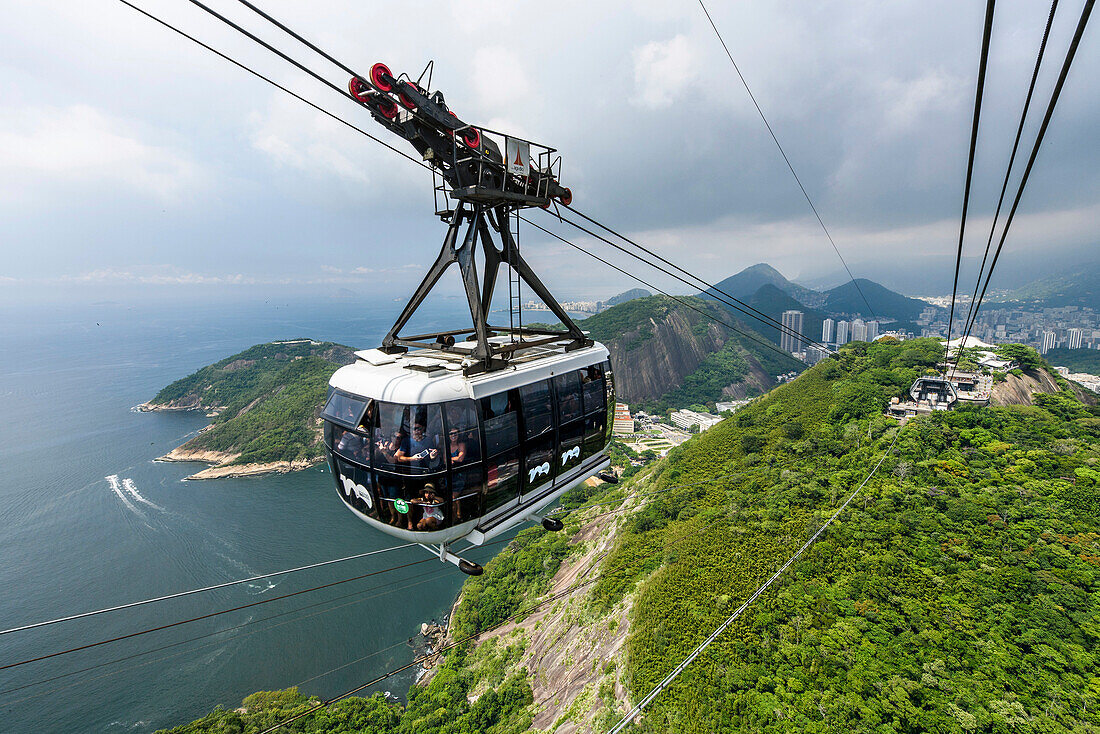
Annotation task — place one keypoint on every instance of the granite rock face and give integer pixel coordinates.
(656, 356)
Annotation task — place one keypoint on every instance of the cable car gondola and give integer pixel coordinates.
(463, 434)
(426, 454)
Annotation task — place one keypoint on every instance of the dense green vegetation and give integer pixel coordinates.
(704, 385)
(268, 398)
(628, 317)
(1077, 360)
(959, 592)
(512, 579)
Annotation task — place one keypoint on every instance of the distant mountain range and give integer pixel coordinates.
(745, 284)
(1077, 286)
(920, 272)
(625, 296)
(766, 289)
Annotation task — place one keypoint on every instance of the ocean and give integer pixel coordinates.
(89, 520)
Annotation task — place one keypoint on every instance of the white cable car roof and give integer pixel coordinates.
(430, 376)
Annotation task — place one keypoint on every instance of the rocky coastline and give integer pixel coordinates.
(221, 462)
(222, 468)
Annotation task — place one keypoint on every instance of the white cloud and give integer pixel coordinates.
(168, 276)
(908, 103)
(40, 146)
(499, 80)
(339, 162)
(662, 71)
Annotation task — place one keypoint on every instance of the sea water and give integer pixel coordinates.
(89, 519)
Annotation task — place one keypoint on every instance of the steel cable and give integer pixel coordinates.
(180, 594)
(1086, 12)
(786, 160)
(979, 91)
(626, 719)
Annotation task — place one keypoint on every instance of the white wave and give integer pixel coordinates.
(116, 487)
(128, 485)
(255, 589)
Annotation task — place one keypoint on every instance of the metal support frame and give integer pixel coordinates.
(475, 219)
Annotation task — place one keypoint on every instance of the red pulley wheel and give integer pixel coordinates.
(472, 137)
(388, 109)
(358, 89)
(452, 132)
(566, 197)
(405, 101)
(376, 73)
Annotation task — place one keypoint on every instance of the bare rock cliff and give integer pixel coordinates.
(654, 357)
(1019, 390)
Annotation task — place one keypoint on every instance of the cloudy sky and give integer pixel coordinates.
(130, 157)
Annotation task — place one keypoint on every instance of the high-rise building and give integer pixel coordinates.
(828, 331)
(815, 354)
(859, 330)
(1073, 338)
(841, 333)
(1050, 340)
(624, 424)
(872, 330)
(792, 324)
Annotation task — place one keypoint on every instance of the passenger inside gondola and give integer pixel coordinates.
(420, 453)
(385, 451)
(353, 446)
(431, 507)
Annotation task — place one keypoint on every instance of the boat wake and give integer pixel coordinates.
(255, 588)
(116, 487)
(128, 485)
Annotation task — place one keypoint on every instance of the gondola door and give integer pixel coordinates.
(500, 421)
(538, 436)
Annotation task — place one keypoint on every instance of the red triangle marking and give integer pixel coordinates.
(519, 158)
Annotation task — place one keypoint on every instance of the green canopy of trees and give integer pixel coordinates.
(958, 592)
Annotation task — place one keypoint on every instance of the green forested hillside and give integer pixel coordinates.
(1077, 360)
(959, 592)
(848, 298)
(268, 398)
(668, 353)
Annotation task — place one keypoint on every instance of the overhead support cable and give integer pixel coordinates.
(1086, 12)
(980, 89)
(276, 84)
(423, 658)
(740, 305)
(190, 592)
(387, 588)
(209, 615)
(745, 308)
(1008, 171)
(629, 716)
(717, 293)
(234, 631)
(786, 160)
(647, 284)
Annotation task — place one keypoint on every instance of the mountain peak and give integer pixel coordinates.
(746, 283)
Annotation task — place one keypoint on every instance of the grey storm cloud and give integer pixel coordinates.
(124, 148)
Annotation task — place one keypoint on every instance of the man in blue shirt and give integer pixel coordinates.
(420, 451)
